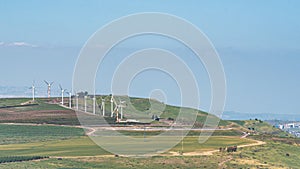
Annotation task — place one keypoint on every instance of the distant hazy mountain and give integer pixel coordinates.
(232, 115)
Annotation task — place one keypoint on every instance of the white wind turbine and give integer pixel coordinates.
(118, 109)
(49, 88)
(103, 106)
(33, 91)
(112, 106)
(62, 94)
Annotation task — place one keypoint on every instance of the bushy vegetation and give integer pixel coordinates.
(270, 155)
(10, 159)
(263, 128)
(120, 163)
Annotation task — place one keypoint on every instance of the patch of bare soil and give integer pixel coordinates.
(11, 115)
(66, 117)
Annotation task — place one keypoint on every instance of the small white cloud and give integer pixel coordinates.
(21, 44)
(1, 43)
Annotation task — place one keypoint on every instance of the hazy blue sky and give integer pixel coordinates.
(258, 42)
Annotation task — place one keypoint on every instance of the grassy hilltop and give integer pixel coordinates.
(46, 112)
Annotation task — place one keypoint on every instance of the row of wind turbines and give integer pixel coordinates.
(49, 85)
(116, 109)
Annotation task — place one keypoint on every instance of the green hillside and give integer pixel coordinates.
(259, 127)
(144, 108)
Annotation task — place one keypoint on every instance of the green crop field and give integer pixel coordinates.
(270, 155)
(41, 106)
(14, 134)
(190, 133)
(82, 146)
(18, 101)
(191, 143)
(27, 140)
(12, 101)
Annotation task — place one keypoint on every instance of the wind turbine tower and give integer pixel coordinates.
(94, 104)
(85, 97)
(33, 91)
(49, 88)
(121, 105)
(70, 99)
(62, 94)
(77, 101)
(112, 105)
(103, 107)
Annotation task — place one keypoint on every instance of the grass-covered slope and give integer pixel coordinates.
(259, 127)
(12, 101)
(273, 154)
(144, 108)
(136, 108)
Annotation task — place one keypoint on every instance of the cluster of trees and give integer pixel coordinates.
(20, 158)
(251, 128)
(256, 119)
(82, 94)
(228, 149)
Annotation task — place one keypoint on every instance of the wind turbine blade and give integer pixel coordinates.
(60, 87)
(51, 83)
(46, 82)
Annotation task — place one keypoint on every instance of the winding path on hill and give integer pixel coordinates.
(211, 152)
